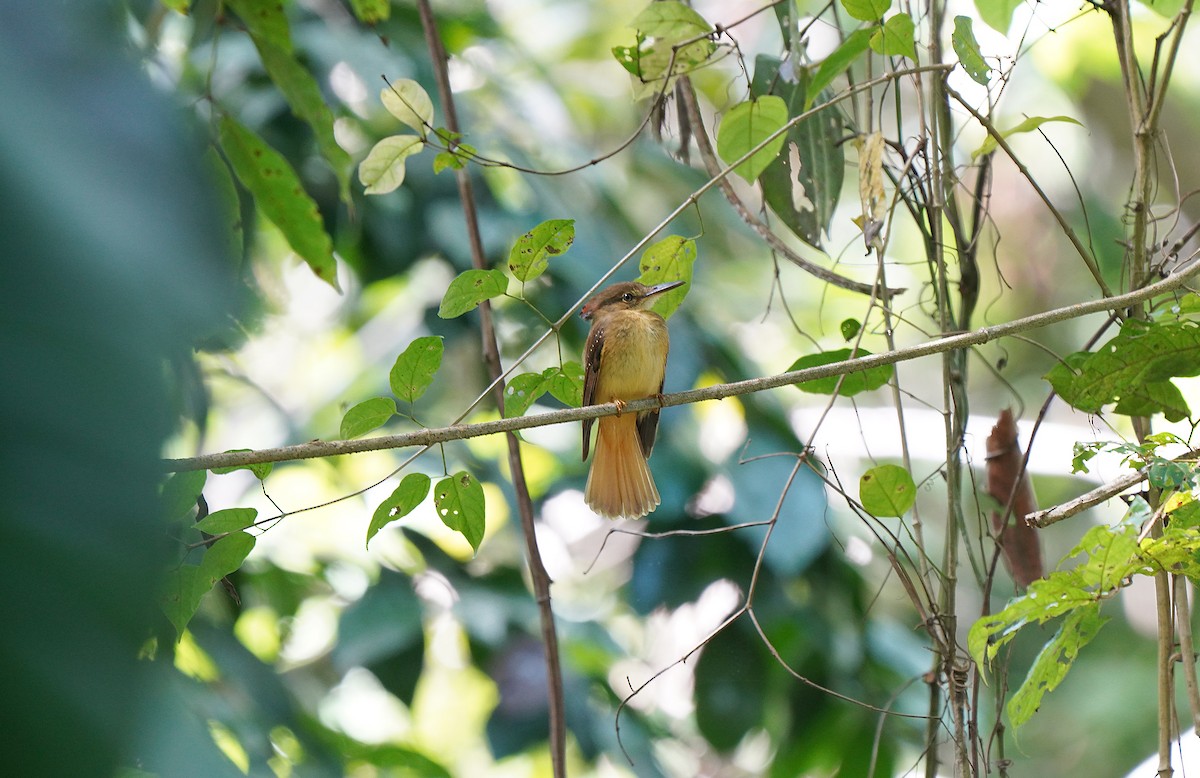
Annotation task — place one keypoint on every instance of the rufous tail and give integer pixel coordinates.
(620, 483)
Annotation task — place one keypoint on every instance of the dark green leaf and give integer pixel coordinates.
(280, 196)
(848, 385)
(967, 49)
(460, 504)
(303, 95)
(850, 328)
(887, 490)
(1054, 660)
(260, 469)
(896, 38)
(180, 491)
(408, 495)
(226, 555)
(745, 126)
(530, 255)
(1166, 474)
(837, 63)
(366, 416)
(867, 10)
(670, 259)
(371, 11)
(415, 367)
(471, 288)
(227, 520)
(566, 384)
(383, 632)
(264, 19)
(731, 688)
(803, 183)
(523, 391)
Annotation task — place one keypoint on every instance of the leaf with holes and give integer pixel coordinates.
(1054, 660)
(530, 255)
(409, 102)
(383, 169)
(471, 288)
(850, 383)
(967, 49)
(366, 416)
(408, 495)
(1029, 125)
(670, 259)
(523, 391)
(460, 504)
(887, 490)
(415, 367)
(745, 126)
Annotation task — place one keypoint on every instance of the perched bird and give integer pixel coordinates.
(625, 359)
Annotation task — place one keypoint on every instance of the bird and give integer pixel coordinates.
(625, 359)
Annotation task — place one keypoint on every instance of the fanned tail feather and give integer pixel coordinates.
(620, 483)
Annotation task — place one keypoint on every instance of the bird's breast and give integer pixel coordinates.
(634, 357)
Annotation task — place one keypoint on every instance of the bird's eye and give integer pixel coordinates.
(627, 297)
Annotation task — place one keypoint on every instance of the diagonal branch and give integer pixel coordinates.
(720, 391)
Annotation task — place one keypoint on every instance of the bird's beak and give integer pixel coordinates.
(665, 287)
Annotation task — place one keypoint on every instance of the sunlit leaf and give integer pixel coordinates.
(566, 384)
(260, 469)
(414, 369)
(1053, 661)
(265, 20)
(181, 6)
(408, 495)
(460, 504)
(523, 391)
(670, 20)
(998, 14)
(371, 11)
(887, 490)
(670, 259)
(227, 520)
(1029, 125)
(469, 289)
(409, 102)
(896, 38)
(837, 63)
(366, 416)
(745, 126)
(967, 49)
(851, 383)
(867, 10)
(280, 197)
(1168, 9)
(530, 255)
(383, 169)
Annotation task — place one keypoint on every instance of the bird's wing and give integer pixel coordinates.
(591, 376)
(647, 427)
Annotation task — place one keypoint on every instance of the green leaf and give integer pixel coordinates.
(264, 19)
(1168, 9)
(998, 14)
(408, 495)
(180, 492)
(967, 49)
(280, 197)
(850, 328)
(414, 369)
(670, 259)
(851, 383)
(867, 10)
(745, 126)
(837, 63)
(566, 384)
(409, 102)
(371, 11)
(896, 38)
(260, 469)
(523, 391)
(366, 416)
(383, 169)
(1054, 660)
(530, 255)
(472, 287)
(1133, 368)
(187, 584)
(460, 504)
(178, 5)
(887, 490)
(453, 160)
(227, 520)
(303, 96)
(1029, 125)
(671, 21)
(803, 183)
(226, 555)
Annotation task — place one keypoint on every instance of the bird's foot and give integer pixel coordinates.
(620, 406)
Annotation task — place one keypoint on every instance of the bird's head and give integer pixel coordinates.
(626, 296)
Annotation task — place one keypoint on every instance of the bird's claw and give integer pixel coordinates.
(620, 406)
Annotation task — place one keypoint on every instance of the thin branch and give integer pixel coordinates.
(428, 437)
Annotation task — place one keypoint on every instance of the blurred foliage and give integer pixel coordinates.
(419, 657)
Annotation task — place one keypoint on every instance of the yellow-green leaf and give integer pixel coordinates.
(837, 63)
(280, 197)
(227, 520)
(469, 289)
(1029, 125)
(260, 469)
(409, 102)
(887, 490)
(530, 255)
(896, 38)
(415, 367)
(460, 504)
(265, 19)
(745, 126)
(523, 391)
(383, 169)
(867, 10)
(967, 49)
(670, 259)
(371, 11)
(408, 495)
(366, 416)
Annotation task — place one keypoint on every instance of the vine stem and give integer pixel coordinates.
(426, 437)
(539, 578)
